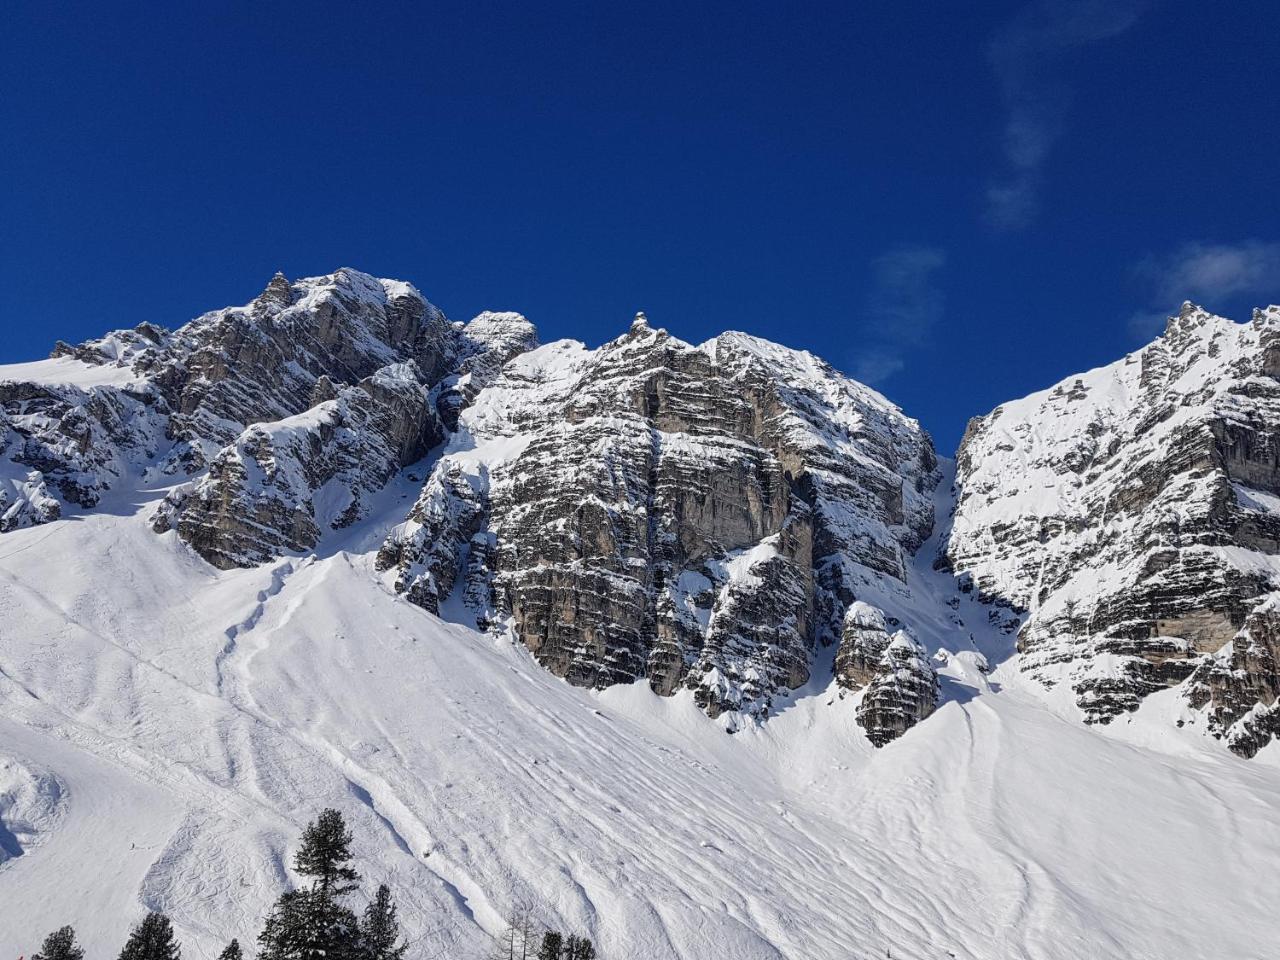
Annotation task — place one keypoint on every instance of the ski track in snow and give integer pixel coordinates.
(197, 719)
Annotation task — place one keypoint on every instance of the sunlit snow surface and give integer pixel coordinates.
(191, 721)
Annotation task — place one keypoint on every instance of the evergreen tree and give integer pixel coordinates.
(232, 952)
(579, 948)
(313, 924)
(379, 929)
(60, 945)
(326, 848)
(152, 939)
(309, 925)
(552, 946)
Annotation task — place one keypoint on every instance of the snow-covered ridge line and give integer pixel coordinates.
(277, 421)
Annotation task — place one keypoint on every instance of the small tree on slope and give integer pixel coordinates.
(552, 946)
(232, 952)
(325, 851)
(312, 924)
(60, 945)
(379, 929)
(152, 939)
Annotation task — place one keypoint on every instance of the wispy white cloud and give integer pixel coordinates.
(877, 365)
(904, 306)
(1146, 325)
(1206, 273)
(1027, 56)
(1211, 271)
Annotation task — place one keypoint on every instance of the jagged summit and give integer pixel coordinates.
(278, 291)
(167, 403)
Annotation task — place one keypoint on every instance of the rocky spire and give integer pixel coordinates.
(903, 691)
(862, 642)
(278, 291)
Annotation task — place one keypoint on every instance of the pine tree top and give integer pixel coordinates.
(552, 946)
(152, 939)
(60, 945)
(379, 929)
(326, 848)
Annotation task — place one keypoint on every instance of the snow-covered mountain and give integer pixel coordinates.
(1134, 512)
(330, 548)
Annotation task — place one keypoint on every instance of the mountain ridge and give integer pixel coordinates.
(704, 463)
(385, 632)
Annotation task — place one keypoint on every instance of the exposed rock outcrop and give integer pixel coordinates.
(1239, 685)
(25, 500)
(862, 643)
(70, 442)
(279, 484)
(902, 691)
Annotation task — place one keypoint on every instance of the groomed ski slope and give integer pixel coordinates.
(193, 720)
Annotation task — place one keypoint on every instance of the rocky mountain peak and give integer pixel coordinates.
(278, 292)
(171, 403)
(1133, 513)
(692, 515)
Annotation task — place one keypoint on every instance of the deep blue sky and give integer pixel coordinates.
(961, 201)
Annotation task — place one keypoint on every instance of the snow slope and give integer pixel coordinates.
(195, 719)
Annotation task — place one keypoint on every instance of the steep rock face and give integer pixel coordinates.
(70, 441)
(147, 400)
(279, 484)
(698, 516)
(1240, 684)
(1133, 512)
(902, 691)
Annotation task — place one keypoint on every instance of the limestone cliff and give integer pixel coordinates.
(698, 516)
